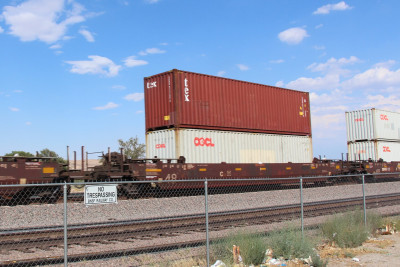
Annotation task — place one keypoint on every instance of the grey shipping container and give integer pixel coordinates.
(372, 124)
(212, 146)
(375, 150)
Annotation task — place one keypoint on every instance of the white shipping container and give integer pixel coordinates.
(372, 124)
(375, 150)
(211, 146)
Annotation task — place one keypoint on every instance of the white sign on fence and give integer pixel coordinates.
(100, 194)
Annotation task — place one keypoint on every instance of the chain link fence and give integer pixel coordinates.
(174, 223)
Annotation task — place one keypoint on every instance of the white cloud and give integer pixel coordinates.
(385, 102)
(324, 98)
(277, 61)
(326, 9)
(332, 100)
(242, 67)
(151, 51)
(378, 80)
(28, 123)
(340, 90)
(97, 65)
(109, 105)
(56, 46)
(1, 30)
(164, 44)
(279, 84)
(133, 62)
(375, 78)
(40, 19)
(319, 26)
(318, 83)
(152, 1)
(327, 125)
(387, 64)
(14, 109)
(293, 35)
(18, 91)
(134, 97)
(333, 65)
(221, 73)
(139, 112)
(118, 87)
(88, 35)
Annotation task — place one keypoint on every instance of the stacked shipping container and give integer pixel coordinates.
(212, 146)
(214, 119)
(373, 134)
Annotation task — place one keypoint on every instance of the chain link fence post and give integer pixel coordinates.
(302, 207)
(364, 202)
(207, 234)
(65, 226)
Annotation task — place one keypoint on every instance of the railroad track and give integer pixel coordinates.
(78, 196)
(131, 231)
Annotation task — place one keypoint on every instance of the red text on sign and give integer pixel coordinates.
(203, 142)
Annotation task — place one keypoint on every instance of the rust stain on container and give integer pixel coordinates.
(181, 99)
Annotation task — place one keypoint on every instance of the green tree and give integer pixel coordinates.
(51, 154)
(19, 154)
(132, 148)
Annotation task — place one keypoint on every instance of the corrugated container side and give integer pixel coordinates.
(211, 146)
(359, 125)
(157, 91)
(372, 124)
(375, 150)
(387, 125)
(179, 99)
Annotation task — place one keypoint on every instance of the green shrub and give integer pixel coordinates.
(374, 221)
(347, 230)
(289, 244)
(252, 248)
(317, 261)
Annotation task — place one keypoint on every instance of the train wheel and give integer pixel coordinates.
(370, 179)
(131, 190)
(55, 195)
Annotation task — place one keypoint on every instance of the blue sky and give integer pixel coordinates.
(72, 70)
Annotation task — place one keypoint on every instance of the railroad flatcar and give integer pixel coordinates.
(29, 170)
(152, 174)
(180, 175)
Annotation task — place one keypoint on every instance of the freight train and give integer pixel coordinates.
(248, 122)
(150, 174)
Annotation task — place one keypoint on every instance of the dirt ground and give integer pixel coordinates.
(382, 251)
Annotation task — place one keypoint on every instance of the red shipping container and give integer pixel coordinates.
(182, 99)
